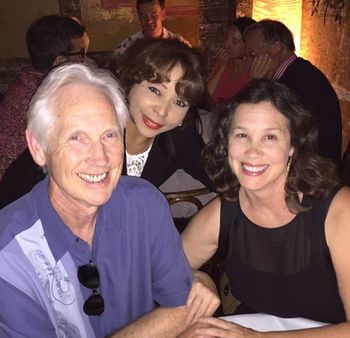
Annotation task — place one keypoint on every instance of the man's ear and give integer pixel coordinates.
(36, 149)
(163, 13)
(277, 47)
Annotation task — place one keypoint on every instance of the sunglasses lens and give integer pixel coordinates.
(94, 305)
(89, 276)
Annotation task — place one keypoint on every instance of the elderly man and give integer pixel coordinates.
(270, 43)
(86, 252)
(151, 15)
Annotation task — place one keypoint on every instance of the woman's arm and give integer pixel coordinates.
(201, 236)
(337, 229)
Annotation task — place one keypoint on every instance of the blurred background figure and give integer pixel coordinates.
(151, 14)
(51, 40)
(272, 41)
(86, 37)
(230, 73)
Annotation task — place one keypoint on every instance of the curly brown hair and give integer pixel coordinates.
(153, 61)
(309, 173)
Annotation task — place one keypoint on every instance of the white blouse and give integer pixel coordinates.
(136, 163)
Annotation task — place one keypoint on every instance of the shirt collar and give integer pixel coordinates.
(283, 67)
(165, 34)
(58, 235)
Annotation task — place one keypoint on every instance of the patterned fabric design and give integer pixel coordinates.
(53, 286)
(136, 163)
(283, 67)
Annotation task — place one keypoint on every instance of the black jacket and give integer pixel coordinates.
(179, 148)
(318, 95)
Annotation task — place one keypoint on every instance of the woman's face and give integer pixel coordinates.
(234, 44)
(156, 107)
(259, 147)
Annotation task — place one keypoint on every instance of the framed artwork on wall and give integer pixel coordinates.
(70, 8)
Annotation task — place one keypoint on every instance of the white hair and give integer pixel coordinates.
(41, 116)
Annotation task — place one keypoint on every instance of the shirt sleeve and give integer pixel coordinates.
(20, 316)
(171, 274)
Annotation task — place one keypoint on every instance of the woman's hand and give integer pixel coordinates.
(222, 55)
(219, 328)
(191, 331)
(203, 299)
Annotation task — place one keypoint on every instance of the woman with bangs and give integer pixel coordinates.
(163, 81)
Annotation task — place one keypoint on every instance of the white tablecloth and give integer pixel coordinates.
(263, 322)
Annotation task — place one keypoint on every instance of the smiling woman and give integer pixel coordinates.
(163, 81)
(279, 224)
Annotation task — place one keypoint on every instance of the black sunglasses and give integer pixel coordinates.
(89, 276)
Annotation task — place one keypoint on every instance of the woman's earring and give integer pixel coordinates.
(180, 124)
(289, 163)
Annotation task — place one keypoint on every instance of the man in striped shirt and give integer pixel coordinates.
(271, 42)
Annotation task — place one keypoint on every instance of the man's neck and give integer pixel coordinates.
(151, 37)
(286, 60)
(79, 219)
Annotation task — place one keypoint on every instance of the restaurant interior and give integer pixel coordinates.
(320, 29)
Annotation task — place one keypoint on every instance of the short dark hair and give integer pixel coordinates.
(139, 2)
(274, 31)
(153, 60)
(49, 37)
(309, 173)
(242, 23)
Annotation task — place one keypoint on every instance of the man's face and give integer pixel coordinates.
(257, 47)
(151, 18)
(85, 148)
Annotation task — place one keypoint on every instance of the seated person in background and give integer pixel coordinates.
(273, 39)
(281, 222)
(51, 40)
(88, 253)
(151, 14)
(86, 41)
(230, 73)
(163, 83)
(86, 37)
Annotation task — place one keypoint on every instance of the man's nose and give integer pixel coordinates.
(98, 153)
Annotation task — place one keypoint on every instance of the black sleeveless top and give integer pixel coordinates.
(285, 271)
